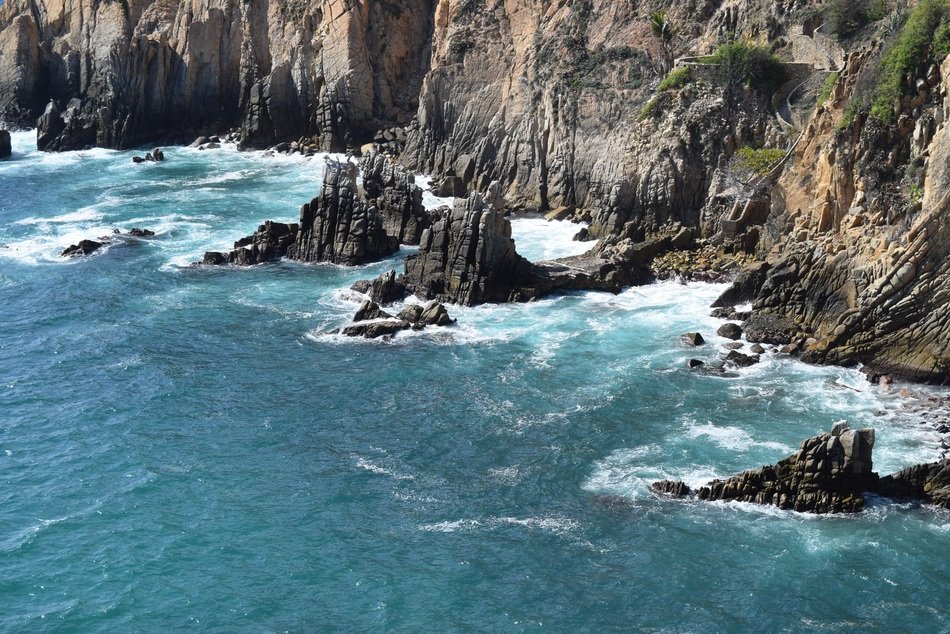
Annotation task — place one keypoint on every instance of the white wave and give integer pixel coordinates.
(538, 239)
(430, 200)
(732, 438)
(558, 525)
(86, 214)
(364, 463)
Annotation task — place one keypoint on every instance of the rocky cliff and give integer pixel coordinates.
(121, 72)
(559, 105)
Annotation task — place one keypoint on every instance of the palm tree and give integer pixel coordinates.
(665, 33)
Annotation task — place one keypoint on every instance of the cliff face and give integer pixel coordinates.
(546, 98)
(860, 241)
(126, 71)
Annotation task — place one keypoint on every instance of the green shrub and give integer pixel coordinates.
(759, 160)
(749, 64)
(827, 87)
(941, 43)
(908, 53)
(677, 78)
(648, 109)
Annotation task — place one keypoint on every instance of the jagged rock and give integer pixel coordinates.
(385, 289)
(393, 190)
(370, 310)
(269, 243)
(745, 287)
(766, 328)
(141, 233)
(730, 331)
(375, 330)
(435, 314)
(929, 483)
(583, 235)
(338, 227)
(740, 360)
(5, 149)
(695, 363)
(692, 339)
(85, 247)
(70, 129)
(672, 488)
(468, 257)
(828, 474)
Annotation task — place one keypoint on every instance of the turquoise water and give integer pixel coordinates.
(188, 449)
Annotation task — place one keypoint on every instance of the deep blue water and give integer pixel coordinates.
(189, 449)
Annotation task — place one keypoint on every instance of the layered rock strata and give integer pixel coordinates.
(828, 474)
(120, 73)
(337, 226)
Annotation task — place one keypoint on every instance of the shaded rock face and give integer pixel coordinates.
(468, 257)
(336, 226)
(339, 227)
(828, 474)
(393, 190)
(5, 149)
(929, 483)
(148, 69)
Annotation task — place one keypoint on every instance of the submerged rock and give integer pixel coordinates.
(828, 474)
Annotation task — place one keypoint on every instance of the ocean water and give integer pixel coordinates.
(190, 449)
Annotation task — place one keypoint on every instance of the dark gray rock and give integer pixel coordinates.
(468, 257)
(757, 349)
(85, 247)
(828, 474)
(385, 289)
(5, 148)
(730, 331)
(672, 488)
(692, 339)
(740, 360)
(269, 243)
(768, 328)
(745, 287)
(370, 310)
(338, 227)
(695, 363)
(393, 190)
(929, 483)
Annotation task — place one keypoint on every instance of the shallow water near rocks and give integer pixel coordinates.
(189, 448)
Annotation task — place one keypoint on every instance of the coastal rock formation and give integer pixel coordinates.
(372, 322)
(859, 239)
(929, 483)
(155, 156)
(385, 289)
(393, 190)
(468, 257)
(828, 474)
(5, 149)
(123, 73)
(336, 226)
(85, 247)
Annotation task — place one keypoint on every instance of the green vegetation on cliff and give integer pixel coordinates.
(925, 38)
(749, 64)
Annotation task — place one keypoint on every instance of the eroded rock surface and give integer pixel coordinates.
(828, 474)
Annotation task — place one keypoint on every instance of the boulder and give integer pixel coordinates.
(828, 474)
(85, 247)
(730, 331)
(370, 310)
(695, 363)
(745, 287)
(692, 339)
(385, 289)
(199, 142)
(5, 149)
(141, 233)
(740, 360)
